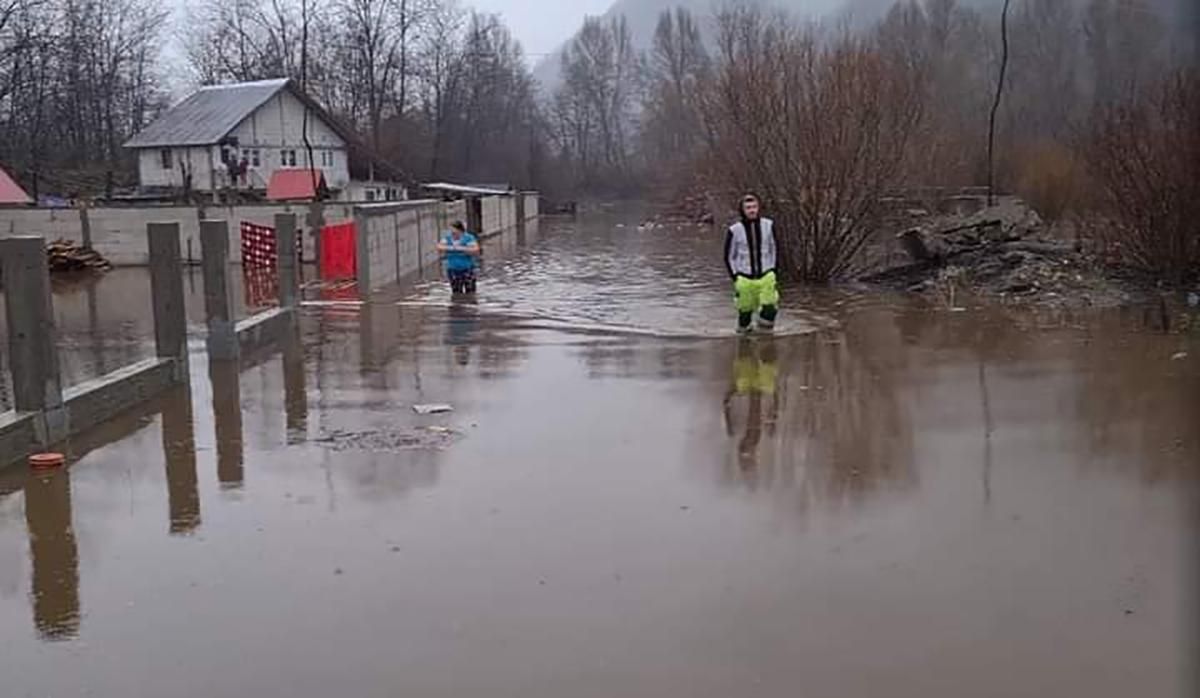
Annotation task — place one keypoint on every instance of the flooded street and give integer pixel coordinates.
(886, 498)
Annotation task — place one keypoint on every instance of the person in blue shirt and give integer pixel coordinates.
(460, 250)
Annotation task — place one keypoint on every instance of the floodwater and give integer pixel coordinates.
(885, 499)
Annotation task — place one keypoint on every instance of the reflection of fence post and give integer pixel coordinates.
(295, 391)
(285, 249)
(33, 349)
(179, 451)
(227, 419)
(54, 554)
(166, 288)
(362, 252)
(218, 299)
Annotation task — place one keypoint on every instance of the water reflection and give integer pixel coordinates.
(179, 452)
(225, 377)
(295, 389)
(55, 557)
(755, 379)
(817, 416)
(462, 325)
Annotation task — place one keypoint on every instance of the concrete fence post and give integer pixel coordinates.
(32, 341)
(362, 256)
(218, 298)
(166, 288)
(286, 265)
(316, 223)
(520, 215)
(85, 226)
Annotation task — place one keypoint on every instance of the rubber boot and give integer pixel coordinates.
(766, 318)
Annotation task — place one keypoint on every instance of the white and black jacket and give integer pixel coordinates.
(750, 248)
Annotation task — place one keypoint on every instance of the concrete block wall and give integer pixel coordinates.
(119, 233)
(401, 238)
(52, 223)
(531, 204)
(499, 214)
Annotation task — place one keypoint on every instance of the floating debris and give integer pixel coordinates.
(432, 409)
(390, 441)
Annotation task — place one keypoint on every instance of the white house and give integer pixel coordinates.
(237, 136)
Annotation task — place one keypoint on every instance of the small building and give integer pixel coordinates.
(238, 137)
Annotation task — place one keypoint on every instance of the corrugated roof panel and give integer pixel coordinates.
(207, 116)
(293, 185)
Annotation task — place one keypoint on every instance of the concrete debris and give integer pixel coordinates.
(1003, 251)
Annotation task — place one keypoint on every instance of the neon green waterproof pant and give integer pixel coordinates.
(752, 295)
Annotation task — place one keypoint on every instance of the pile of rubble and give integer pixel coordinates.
(1001, 250)
(65, 256)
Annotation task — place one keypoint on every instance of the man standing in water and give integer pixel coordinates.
(750, 259)
(461, 251)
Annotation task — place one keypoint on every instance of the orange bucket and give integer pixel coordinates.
(47, 461)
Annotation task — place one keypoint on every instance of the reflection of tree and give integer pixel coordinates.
(832, 429)
(631, 357)
(1114, 393)
(1135, 405)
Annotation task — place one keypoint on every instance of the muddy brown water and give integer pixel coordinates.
(885, 499)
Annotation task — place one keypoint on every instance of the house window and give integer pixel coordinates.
(287, 158)
(164, 157)
(370, 195)
(253, 156)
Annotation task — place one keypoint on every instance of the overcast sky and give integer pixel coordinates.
(541, 25)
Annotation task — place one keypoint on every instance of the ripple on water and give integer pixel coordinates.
(597, 279)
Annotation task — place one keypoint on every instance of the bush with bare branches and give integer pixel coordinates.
(1144, 156)
(818, 126)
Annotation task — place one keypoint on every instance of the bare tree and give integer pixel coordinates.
(594, 106)
(1145, 155)
(679, 65)
(818, 128)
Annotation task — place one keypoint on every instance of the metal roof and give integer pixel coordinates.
(208, 115)
(10, 191)
(460, 189)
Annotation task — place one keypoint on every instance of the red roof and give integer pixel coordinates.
(290, 185)
(10, 191)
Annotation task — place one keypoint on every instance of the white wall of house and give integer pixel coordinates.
(153, 170)
(276, 131)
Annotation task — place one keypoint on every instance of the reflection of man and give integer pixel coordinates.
(755, 376)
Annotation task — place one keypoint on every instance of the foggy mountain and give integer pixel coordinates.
(642, 16)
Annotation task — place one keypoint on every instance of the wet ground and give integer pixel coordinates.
(885, 499)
